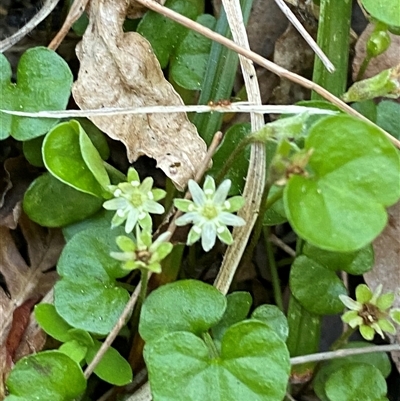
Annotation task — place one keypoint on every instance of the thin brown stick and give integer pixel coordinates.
(269, 65)
(47, 8)
(76, 10)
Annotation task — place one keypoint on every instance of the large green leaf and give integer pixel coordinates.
(186, 305)
(254, 365)
(387, 11)
(354, 174)
(69, 155)
(356, 381)
(88, 296)
(189, 63)
(51, 203)
(164, 34)
(44, 82)
(46, 376)
(315, 287)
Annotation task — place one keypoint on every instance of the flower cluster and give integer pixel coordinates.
(134, 201)
(372, 311)
(142, 253)
(210, 212)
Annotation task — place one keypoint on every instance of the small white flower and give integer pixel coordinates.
(134, 201)
(210, 213)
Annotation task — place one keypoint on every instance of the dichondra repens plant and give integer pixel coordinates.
(330, 177)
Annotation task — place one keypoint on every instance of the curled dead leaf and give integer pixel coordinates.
(119, 69)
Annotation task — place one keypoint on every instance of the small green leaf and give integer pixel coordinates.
(315, 287)
(274, 318)
(380, 360)
(67, 156)
(254, 365)
(237, 308)
(189, 63)
(164, 34)
(87, 296)
(44, 82)
(112, 368)
(48, 375)
(51, 203)
(276, 213)
(356, 263)
(354, 175)
(33, 151)
(74, 349)
(356, 381)
(387, 11)
(51, 322)
(199, 308)
(387, 117)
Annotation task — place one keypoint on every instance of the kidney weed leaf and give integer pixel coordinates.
(134, 201)
(371, 311)
(209, 212)
(144, 253)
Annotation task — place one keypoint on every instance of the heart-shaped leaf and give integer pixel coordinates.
(274, 318)
(44, 82)
(186, 305)
(354, 174)
(51, 203)
(48, 375)
(315, 287)
(387, 11)
(254, 365)
(69, 155)
(87, 296)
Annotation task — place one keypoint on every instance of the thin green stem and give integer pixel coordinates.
(276, 285)
(212, 349)
(144, 280)
(343, 339)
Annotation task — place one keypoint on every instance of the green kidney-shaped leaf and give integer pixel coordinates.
(387, 11)
(164, 34)
(357, 263)
(186, 305)
(356, 381)
(190, 60)
(274, 318)
(87, 296)
(44, 82)
(254, 365)
(48, 375)
(378, 359)
(237, 308)
(354, 175)
(315, 287)
(112, 368)
(51, 203)
(70, 156)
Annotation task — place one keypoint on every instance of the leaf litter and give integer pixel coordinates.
(119, 69)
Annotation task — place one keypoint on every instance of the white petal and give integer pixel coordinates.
(208, 236)
(350, 303)
(153, 207)
(115, 204)
(187, 218)
(230, 219)
(197, 193)
(131, 220)
(222, 192)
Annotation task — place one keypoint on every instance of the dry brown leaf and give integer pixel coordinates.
(119, 69)
(25, 282)
(386, 270)
(388, 59)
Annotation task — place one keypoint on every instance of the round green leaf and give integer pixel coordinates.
(112, 368)
(87, 296)
(44, 82)
(274, 318)
(186, 305)
(74, 349)
(51, 203)
(387, 112)
(33, 151)
(189, 64)
(357, 263)
(354, 175)
(315, 287)
(387, 11)
(63, 157)
(254, 365)
(378, 359)
(49, 375)
(51, 322)
(237, 309)
(356, 381)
